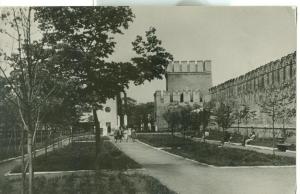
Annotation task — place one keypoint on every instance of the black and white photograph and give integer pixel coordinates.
(148, 99)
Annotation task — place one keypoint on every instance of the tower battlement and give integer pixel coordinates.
(180, 96)
(189, 66)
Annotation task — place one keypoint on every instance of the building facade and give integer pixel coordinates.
(187, 82)
(108, 117)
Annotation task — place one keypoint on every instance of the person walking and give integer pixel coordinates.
(129, 133)
(133, 135)
(116, 135)
(126, 135)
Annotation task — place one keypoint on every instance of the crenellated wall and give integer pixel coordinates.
(164, 98)
(273, 73)
(190, 82)
(250, 88)
(189, 66)
(180, 96)
(189, 75)
(187, 83)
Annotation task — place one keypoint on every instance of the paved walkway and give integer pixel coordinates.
(188, 177)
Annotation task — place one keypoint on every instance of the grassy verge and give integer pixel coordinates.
(81, 156)
(212, 154)
(238, 138)
(7, 151)
(104, 183)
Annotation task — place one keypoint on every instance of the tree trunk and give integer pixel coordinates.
(120, 110)
(23, 162)
(273, 130)
(29, 152)
(125, 108)
(97, 137)
(15, 141)
(283, 129)
(46, 144)
(223, 135)
(71, 135)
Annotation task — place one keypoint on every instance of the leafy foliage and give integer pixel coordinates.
(224, 116)
(244, 114)
(173, 116)
(83, 38)
(140, 114)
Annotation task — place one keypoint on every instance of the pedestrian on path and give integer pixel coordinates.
(133, 135)
(126, 134)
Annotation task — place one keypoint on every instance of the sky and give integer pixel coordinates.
(236, 39)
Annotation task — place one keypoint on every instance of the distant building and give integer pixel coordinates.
(188, 82)
(108, 117)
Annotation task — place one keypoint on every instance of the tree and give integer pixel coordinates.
(84, 39)
(173, 117)
(224, 117)
(278, 101)
(185, 117)
(243, 114)
(196, 122)
(140, 114)
(27, 74)
(208, 108)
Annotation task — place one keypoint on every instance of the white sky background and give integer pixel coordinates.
(236, 39)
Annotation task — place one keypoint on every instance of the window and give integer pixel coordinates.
(107, 109)
(181, 97)
(272, 77)
(108, 127)
(278, 75)
(291, 71)
(201, 100)
(284, 71)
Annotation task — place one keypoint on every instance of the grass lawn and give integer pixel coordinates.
(81, 156)
(104, 183)
(212, 154)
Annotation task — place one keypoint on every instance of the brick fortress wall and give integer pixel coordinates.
(250, 88)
